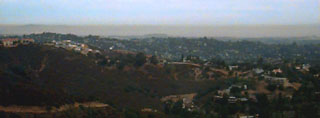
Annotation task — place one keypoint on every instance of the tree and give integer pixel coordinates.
(121, 65)
(271, 87)
(154, 60)
(260, 62)
(182, 58)
(263, 105)
(140, 59)
(130, 113)
(235, 91)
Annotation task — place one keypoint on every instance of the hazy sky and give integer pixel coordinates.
(213, 12)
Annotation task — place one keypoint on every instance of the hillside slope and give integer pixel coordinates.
(46, 76)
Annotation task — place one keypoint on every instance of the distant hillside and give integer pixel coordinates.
(277, 40)
(172, 30)
(173, 48)
(140, 36)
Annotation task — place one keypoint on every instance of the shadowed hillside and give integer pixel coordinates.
(43, 75)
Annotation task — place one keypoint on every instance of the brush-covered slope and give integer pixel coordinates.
(44, 75)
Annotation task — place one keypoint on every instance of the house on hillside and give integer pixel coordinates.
(227, 91)
(97, 52)
(14, 42)
(148, 110)
(84, 46)
(66, 41)
(232, 99)
(306, 67)
(188, 103)
(275, 71)
(243, 99)
(241, 115)
(187, 100)
(258, 70)
(275, 80)
(10, 42)
(78, 47)
(233, 67)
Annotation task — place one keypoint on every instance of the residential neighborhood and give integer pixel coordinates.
(70, 45)
(14, 42)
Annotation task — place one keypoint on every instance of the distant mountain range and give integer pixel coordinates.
(140, 36)
(240, 31)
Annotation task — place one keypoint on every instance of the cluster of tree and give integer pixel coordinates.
(122, 60)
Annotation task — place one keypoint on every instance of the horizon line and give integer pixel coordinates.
(311, 24)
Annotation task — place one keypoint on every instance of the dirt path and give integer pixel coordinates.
(40, 109)
(185, 63)
(260, 88)
(175, 98)
(224, 72)
(43, 64)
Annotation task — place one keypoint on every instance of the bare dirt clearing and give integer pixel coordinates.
(40, 109)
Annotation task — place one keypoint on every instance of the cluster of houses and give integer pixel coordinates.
(258, 71)
(148, 110)
(231, 99)
(232, 67)
(227, 91)
(70, 45)
(303, 67)
(14, 42)
(187, 100)
(275, 80)
(239, 115)
(66, 44)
